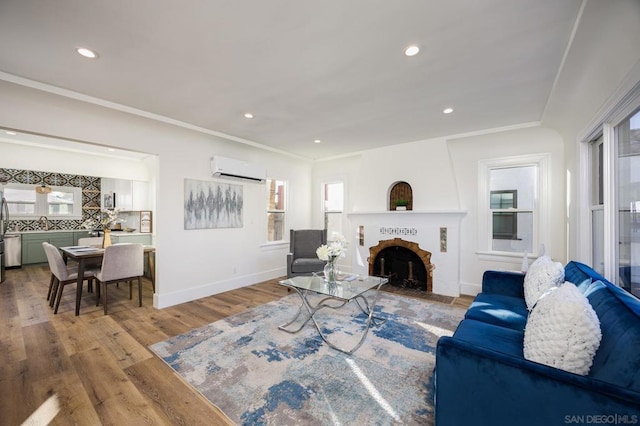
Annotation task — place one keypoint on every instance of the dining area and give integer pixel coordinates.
(99, 267)
(99, 366)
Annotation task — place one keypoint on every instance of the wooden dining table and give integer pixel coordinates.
(81, 253)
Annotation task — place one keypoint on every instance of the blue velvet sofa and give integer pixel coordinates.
(482, 377)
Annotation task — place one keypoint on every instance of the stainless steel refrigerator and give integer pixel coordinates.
(4, 220)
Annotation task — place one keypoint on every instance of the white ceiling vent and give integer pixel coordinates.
(237, 169)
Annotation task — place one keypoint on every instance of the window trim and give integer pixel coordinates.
(281, 211)
(620, 105)
(337, 212)
(42, 205)
(541, 226)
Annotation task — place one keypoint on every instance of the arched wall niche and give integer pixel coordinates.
(400, 195)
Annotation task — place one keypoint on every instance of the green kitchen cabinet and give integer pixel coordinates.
(79, 234)
(32, 250)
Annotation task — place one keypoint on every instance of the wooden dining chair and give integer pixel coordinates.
(121, 262)
(61, 275)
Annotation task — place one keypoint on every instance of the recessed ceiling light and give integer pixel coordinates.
(447, 110)
(317, 141)
(248, 115)
(87, 53)
(9, 132)
(111, 150)
(411, 50)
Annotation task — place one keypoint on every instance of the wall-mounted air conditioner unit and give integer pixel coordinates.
(237, 169)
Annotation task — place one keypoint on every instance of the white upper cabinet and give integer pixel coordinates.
(140, 195)
(125, 194)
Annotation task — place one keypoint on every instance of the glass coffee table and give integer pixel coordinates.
(337, 294)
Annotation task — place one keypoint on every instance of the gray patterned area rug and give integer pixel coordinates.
(259, 375)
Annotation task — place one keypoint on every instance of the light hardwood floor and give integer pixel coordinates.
(99, 366)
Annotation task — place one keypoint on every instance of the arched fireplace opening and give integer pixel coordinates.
(404, 263)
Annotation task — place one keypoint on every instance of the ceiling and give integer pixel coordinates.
(332, 71)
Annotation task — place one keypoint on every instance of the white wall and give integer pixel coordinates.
(443, 174)
(465, 154)
(604, 60)
(35, 158)
(425, 165)
(369, 175)
(190, 264)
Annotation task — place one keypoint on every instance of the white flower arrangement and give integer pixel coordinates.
(108, 218)
(335, 249)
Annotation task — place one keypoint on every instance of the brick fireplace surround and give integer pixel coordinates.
(424, 280)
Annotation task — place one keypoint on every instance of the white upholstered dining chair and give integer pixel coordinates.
(61, 275)
(94, 263)
(121, 262)
(90, 241)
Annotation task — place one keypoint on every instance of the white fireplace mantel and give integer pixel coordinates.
(409, 212)
(422, 227)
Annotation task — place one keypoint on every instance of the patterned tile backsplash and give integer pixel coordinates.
(90, 196)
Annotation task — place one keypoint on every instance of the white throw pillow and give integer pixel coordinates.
(563, 331)
(543, 274)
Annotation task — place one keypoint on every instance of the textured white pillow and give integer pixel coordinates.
(563, 331)
(543, 274)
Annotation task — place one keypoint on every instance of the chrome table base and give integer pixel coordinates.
(333, 302)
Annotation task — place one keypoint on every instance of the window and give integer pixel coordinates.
(25, 203)
(21, 202)
(512, 205)
(276, 193)
(333, 202)
(597, 204)
(627, 165)
(608, 233)
(505, 224)
(60, 203)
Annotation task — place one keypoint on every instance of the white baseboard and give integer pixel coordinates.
(470, 289)
(209, 289)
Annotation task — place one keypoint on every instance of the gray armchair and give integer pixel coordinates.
(302, 258)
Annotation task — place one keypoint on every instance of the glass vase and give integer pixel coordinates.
(330, 272)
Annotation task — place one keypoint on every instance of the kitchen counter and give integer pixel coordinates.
(52, 231)
(45, 232)
(113, 233)
(32, 251)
